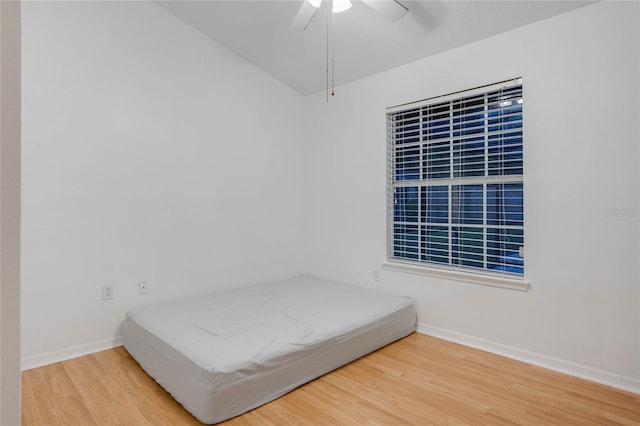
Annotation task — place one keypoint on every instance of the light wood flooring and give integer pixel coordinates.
(419, 380)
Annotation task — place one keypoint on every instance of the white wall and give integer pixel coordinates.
(10, 378)
(150, 153)
(580, 73)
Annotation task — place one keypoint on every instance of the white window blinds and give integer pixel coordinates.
(455, 180)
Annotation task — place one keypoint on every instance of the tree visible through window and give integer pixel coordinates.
(456, 172)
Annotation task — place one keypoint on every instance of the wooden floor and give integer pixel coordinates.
(419, 380)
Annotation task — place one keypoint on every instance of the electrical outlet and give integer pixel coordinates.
(107, 292)
(376, 274)
(143, 287)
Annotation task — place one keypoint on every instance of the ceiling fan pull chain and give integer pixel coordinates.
(333, 48)
(327, 58)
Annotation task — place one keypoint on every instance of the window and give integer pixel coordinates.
(455, 181)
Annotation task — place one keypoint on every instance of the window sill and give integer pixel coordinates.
(451, 274)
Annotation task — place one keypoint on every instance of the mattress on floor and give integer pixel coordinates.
(226, 353)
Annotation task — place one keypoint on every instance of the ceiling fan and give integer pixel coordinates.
(390, 9)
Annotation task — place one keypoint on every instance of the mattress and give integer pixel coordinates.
(223, 354)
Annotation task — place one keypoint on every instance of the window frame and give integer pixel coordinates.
(421, 266)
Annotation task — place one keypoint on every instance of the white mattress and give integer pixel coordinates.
(226, 353)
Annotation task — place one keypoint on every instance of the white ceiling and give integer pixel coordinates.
(365, 42)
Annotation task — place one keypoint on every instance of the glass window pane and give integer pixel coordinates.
(505, 154)
(505, 204)
(437, 124)
(503, 250)
(406, 242)
(407, 127)
(405, 204)
(435, 204)
(468, 157)
(466, 204)
(467, 246)
(407, 163)
(435, 244)
(437, 160)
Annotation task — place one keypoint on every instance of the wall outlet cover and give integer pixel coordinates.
(107, 292)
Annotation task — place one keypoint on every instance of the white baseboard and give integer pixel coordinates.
(573, 369)
(69, 353)
(610, 379)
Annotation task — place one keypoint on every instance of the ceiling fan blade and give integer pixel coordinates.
(303, 17)
(390, 9)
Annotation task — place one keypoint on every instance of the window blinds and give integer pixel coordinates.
(455, 180)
